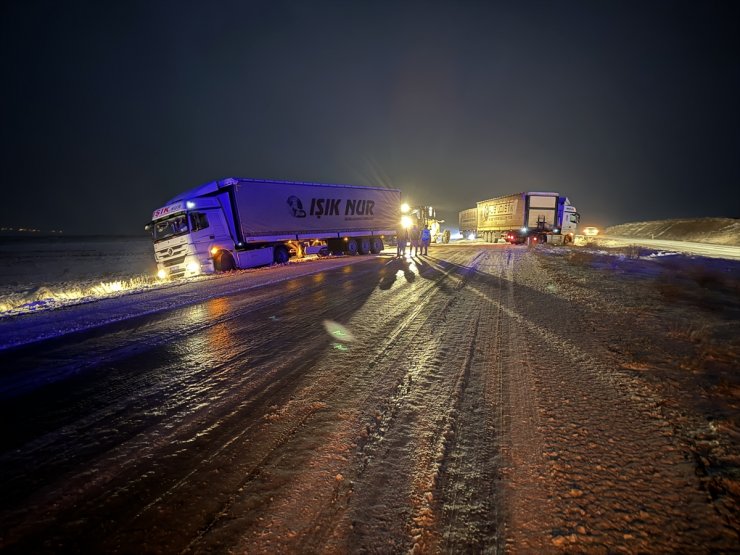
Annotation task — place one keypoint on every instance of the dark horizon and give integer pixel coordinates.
(630, 109)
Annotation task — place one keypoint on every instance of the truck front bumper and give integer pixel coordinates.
(190, 267)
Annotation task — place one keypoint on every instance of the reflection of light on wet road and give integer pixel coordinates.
(217, 341)
(219, 336)
(217, 307)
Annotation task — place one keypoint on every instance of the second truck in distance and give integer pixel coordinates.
(518, 217)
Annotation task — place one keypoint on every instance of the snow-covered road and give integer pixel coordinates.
(476, 400)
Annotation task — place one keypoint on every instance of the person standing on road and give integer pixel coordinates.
(426, 238)
(402, 239)
(415, 239)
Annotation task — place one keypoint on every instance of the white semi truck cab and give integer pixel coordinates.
(244, 223)
(187, 234)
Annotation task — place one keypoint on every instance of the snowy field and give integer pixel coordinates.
(46, 272)
(717, 231)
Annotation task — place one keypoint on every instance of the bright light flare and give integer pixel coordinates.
(338, 331)
(405, 208)
(406, 222)
(161, 274)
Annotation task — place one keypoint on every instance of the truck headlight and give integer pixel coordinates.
(192, 267)
(161, 274)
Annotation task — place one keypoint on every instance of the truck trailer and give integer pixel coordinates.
(468, 221)
(243, 223)
(520, 216)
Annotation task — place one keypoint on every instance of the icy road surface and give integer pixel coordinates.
(482, 399)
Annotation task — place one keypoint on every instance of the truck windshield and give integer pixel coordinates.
(164, 229)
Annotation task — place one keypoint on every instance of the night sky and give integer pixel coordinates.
(109, 109)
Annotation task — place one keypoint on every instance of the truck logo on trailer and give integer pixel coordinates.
(333, 207)
(325, 207)
(359, 208)
(296, 207)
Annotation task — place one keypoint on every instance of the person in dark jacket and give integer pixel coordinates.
(402, 239)
(414, 237)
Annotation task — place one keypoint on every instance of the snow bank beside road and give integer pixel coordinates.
(720, 231)
(38, 273)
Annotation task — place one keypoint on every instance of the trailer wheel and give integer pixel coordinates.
(376, 245)
(224, 262)
(281, 254)
(351, 247)
(363, 245)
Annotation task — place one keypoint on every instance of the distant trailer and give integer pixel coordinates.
(524, 214)
(468, 222)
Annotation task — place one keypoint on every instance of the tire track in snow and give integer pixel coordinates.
(426, 387)
(468, 491)
(603, 452)
(368, 381)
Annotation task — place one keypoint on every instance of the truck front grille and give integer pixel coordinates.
(174, 261)
(171, 255)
